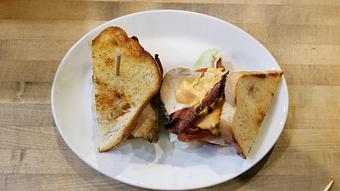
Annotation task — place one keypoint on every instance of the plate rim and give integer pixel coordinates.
(62, 62)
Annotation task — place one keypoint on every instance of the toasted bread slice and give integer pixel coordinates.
(147, 125)
(248, 97)
(120, 99)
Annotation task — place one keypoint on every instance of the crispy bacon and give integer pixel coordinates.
(191, 132)
(203, 134)
(180, 113)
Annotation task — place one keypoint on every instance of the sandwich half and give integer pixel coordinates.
(120, 98)
(248, 96)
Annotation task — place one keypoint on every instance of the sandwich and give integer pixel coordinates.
(193, 99)
(210, 105)
(126, 78)
(248, 95)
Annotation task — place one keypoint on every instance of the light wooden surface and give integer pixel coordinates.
(304, 37)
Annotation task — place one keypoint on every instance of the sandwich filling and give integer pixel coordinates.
(194, 98)
(204, 96)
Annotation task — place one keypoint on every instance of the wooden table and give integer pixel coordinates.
(304, 37)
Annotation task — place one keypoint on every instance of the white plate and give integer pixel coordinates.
(178, 37)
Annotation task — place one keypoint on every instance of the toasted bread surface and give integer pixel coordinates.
(120, 99)
(248, 97)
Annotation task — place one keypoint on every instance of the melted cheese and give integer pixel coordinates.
(211, 120)
(193, 91)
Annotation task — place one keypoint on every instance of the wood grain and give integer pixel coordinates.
(303, 36)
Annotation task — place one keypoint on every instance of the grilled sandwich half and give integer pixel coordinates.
(248, 97)
(121, 99)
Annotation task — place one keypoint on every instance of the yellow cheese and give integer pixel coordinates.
(193, 91)
(186, 94)
(211, 120)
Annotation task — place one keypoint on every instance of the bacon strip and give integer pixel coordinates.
(203, 134)
(191, 132)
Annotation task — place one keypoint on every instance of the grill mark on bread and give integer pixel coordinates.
(112, 105)
(109, 61)
(260, 75)
(109, 100)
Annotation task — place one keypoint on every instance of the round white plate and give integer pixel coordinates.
(179, 37)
